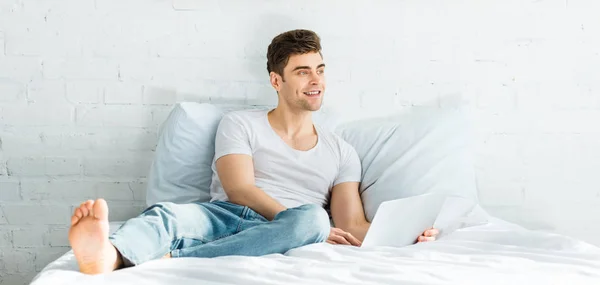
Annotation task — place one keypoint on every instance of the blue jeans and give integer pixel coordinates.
(211, 229)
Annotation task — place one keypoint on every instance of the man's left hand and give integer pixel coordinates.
(428, 235)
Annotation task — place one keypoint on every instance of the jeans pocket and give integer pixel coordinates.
(232, 208)
(253, 215)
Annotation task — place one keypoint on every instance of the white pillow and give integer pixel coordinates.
(181, 170)
(403, 155)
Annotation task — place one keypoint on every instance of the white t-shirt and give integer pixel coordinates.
(290, 176)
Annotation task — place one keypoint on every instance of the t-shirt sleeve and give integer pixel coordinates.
(350, 166)
(232, 137)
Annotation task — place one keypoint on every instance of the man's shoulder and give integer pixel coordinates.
(246, 115)
(334, 138)
(330, 134)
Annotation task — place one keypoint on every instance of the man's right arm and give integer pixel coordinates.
(236, 173)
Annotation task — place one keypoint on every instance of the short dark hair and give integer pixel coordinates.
(290, 43)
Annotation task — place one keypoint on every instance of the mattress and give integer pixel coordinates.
(496, 252)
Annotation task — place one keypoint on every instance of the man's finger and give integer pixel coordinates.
(337, 231)
(342, 240)
(431, 232)
(425, 239)
(339, 239)
(349, 237)
(331, 242)
(335, 235)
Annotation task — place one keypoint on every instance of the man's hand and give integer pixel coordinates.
(338, 236)
(428, 235)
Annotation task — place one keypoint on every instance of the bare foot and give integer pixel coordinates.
(88, 237)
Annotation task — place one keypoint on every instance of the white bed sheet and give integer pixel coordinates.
(494, 253)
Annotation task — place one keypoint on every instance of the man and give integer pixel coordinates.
(274, 172)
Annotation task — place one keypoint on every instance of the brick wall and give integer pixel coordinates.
(84, 85)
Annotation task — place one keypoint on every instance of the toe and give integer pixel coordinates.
(100, 209)
(78, 213)
(76, 216)
(84, 210)
(89, 204)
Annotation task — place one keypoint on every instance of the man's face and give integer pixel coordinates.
(304, 84)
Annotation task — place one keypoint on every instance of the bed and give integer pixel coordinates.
(422, 151)
(496, 252)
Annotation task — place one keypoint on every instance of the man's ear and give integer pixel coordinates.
(275, 80)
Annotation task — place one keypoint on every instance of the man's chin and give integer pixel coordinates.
(316, 107)
(306, 106)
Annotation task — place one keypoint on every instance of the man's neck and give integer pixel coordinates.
(291, 124)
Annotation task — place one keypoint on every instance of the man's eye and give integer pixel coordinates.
(321, 71)
(302, 73)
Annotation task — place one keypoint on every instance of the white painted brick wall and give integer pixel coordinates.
(2, 52)
(11, 91)
(37, 115)
(84, 85)
(117, 166)
(6, 239)
(10, 191)
(122, 93)
(29, 237)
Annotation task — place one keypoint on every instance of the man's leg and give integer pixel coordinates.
(158, 230)
(166, 226)
(291, 228)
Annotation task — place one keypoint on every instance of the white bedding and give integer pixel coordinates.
(494, 253)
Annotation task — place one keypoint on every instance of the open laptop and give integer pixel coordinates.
(400, 222)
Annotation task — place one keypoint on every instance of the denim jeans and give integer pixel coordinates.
(211, 229)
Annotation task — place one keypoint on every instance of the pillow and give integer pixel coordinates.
(181, 171)
(418, 152)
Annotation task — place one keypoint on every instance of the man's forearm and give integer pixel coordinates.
(256, 199)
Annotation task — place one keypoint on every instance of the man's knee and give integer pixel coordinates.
(166, 212)
(308, 223)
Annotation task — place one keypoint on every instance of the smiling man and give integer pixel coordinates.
(274, 171)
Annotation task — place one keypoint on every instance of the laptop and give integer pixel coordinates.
(400, 222)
